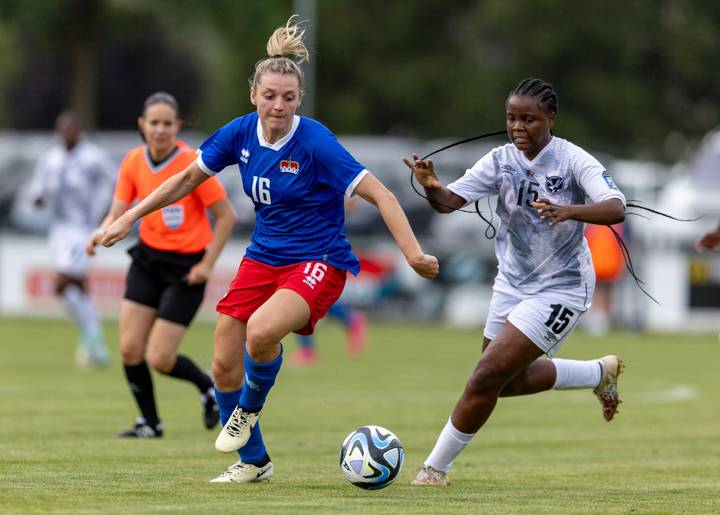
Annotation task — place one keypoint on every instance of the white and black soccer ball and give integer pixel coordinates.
(371, 457)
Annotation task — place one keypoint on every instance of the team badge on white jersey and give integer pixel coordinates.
(553, 183)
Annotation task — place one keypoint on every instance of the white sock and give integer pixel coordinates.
(449, 445)
(572, 374)
(82, 311)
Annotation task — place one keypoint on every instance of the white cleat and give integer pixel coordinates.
(606, 391)
(236, 432)
(428, 476)
(245, 473)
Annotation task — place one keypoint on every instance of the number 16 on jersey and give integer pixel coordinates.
(261, 190)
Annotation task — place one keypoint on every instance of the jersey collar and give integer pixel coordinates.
(281, 142)
(529, 163)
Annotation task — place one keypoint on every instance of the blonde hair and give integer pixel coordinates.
(285, 41)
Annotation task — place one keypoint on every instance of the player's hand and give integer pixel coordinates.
(94, 241)
(198, 274)
(708, 241)
(116, 231)
(424, 172)
(425, 265)
(553, 213)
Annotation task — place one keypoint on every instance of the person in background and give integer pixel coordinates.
(74, 181)
(353, 322)
(609, 263)
(296, 265)
(709, 240)
(545, 278)
(170, 264)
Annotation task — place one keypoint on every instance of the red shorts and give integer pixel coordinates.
(317, 282)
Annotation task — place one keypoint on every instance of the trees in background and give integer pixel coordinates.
(635, 79)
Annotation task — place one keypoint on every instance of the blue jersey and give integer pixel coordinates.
(297, 184)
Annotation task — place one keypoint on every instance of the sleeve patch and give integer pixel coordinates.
(609, 180)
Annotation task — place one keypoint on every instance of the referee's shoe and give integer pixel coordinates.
(211, 411)
(143, 430)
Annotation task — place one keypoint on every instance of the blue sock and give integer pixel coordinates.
(340, 312)
(306, 341)
(259, 378)
(254, 450)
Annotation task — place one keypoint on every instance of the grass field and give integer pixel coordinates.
(549, 453)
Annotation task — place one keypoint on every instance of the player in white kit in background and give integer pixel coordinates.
(547, 189)
(75, 180)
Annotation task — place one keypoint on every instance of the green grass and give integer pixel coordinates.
(548, 453)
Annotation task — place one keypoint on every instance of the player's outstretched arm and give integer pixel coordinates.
(606, 212)
(174, 188)
(440, 198)
(117, 208)
(397, 223)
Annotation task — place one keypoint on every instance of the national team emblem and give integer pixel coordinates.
(553, 183)
(609, 180)
(289, 166)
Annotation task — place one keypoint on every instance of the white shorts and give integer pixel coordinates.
(547, 318)
(67, 249)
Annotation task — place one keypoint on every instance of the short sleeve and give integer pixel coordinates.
(210, 192)
(125, 189)
(218, 151)
(594, 179)
(478, 181)
(338, 168)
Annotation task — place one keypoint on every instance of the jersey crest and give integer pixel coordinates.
(289, 166)
(553, 183)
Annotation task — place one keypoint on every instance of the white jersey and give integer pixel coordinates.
(532, 255)
(77, 184)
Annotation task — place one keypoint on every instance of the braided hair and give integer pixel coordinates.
(541, 91)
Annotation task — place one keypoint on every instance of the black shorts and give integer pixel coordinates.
(158, 279)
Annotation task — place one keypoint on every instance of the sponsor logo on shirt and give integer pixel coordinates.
(550, 337)
(554, 183)
(609, 180)
(507, 168)
(244, 155)
(289, 166)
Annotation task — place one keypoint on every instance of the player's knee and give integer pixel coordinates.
(163, 362)
(260, 337)
(484, 381)
(131, 353)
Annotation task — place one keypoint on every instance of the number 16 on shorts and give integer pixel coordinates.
(314, 273)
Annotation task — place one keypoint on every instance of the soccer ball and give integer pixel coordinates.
(371, 457)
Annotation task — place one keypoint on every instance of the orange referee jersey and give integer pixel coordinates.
(183, 227)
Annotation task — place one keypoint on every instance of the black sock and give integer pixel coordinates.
(187, 370)
(263, 461)
(141, 386)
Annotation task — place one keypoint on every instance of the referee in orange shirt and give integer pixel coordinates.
(170, 265)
